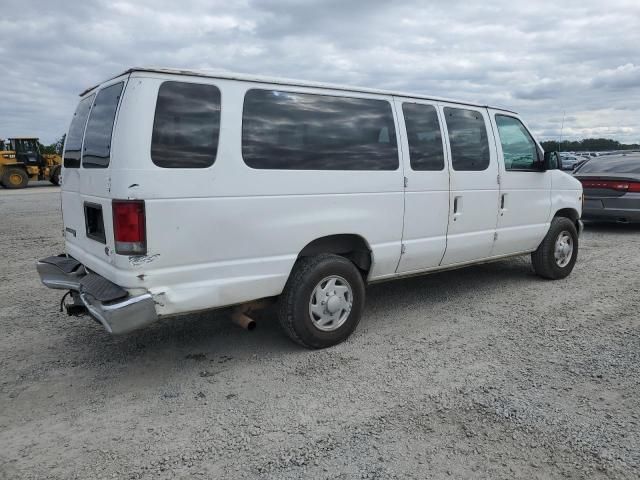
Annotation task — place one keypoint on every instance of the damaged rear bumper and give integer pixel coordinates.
(112, 306)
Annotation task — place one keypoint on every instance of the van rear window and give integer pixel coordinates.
(73, 142)
(301, 131)
(97, 138)
(186, 125)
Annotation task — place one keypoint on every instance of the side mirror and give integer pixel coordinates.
(552, 161)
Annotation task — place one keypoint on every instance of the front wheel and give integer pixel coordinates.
(558, 252)
(15, 178)
(322, 301)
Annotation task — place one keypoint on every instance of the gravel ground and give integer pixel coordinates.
(486, 372)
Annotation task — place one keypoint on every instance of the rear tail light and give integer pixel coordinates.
(129, 227)
(617, 185)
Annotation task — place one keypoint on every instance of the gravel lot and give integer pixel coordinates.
(487, 372)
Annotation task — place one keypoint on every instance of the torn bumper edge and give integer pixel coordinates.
(118, 317)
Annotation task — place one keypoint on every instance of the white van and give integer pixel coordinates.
(185, 191)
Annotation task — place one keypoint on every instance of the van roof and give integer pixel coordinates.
(291, 82)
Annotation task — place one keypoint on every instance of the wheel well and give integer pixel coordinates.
(351, 246)
(569, 213)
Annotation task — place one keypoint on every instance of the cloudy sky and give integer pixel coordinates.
(541, 58)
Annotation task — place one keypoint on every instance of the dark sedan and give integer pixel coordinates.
(611, 188)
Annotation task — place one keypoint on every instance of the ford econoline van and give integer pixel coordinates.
(186, 191)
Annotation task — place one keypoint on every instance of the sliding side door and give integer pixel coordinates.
(474, 184)
(426, 185)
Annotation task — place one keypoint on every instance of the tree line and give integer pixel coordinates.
(55, 147)
(587, 145)
(584, 145)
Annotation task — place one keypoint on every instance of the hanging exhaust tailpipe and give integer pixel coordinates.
(243, 320)
(240, 315)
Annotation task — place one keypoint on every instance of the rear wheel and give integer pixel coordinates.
(557, 254)
(322, 301)
(15, 178)
(55, 176)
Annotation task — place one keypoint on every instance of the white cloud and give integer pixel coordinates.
(623, 77)
(542, 58)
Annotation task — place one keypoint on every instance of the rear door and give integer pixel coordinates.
(426, 187)
(86, 183)
(525, 190)
(474, 192)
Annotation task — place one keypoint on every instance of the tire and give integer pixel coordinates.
(545, 262)
(55, 176)
(304, 293)
(15, 178)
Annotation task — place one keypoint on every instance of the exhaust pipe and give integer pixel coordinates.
(240, 315)
(243, 320)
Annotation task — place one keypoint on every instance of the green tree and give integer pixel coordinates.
(587, 145)
(55, 147)
(60, 144)
(46, 149)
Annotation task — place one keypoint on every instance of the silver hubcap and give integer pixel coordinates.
(330, 303)
(564, 249)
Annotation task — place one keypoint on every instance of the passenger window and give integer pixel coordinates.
(97, 138)
(73, 141)
(186, 125)
(301, 131)
(423, 134)
(518, 148)
(468, 139)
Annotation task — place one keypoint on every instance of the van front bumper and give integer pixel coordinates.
(112, 306)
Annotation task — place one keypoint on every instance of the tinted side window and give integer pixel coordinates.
(468, 139)
(423, 134)
(186, 125)
(300, 131)
(73, 141)
(518, 148)
(97, 138)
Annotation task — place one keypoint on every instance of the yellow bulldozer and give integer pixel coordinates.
(21, 161)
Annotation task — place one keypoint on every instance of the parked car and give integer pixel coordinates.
(185, 191)
(611, 188)
(569, 161)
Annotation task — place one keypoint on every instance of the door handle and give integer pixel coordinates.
(502, 203)
(457, 207)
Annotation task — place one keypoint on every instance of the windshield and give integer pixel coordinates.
(26, 146)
